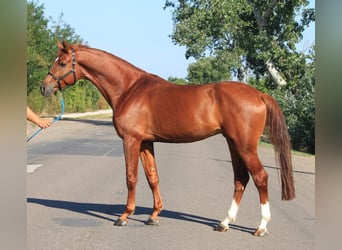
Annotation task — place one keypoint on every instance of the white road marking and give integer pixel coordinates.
(32, 167)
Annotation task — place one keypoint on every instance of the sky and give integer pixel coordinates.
(137, 31)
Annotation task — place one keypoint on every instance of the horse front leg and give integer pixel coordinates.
(150, 168)
(131, 151)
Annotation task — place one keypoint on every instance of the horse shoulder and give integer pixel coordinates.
(132, 113)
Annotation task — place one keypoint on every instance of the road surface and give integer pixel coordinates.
(76, 190)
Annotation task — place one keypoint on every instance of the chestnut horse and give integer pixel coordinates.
(147, 109)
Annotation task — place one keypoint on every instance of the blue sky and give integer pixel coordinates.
(137, 31)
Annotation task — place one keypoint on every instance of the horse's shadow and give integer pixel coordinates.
(95, 209)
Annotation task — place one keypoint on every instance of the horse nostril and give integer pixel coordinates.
(42, 89)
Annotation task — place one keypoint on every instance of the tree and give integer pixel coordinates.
(63, 31)
(257, 37)
(41, 50)
(209, 69)
(39, 45)
(254, 35)
(297, 102)
(176, 80)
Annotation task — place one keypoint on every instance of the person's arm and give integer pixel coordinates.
(36, 119)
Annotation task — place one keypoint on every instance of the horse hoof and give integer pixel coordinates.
(152, 222)
(120, 223)
(261, 232)
(221, 228)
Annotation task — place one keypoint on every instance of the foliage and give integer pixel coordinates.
(176, 80)
(207, 70)
(246, 33)
(41, 50)
(298, 104)
(39, 45)
(81, 99)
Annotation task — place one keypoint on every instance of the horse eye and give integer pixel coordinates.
(62, 64)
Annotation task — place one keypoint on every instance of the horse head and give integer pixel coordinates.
(63, 71)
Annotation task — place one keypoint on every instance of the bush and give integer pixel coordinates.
(81, 97)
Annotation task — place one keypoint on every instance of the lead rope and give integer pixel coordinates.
(59, 117)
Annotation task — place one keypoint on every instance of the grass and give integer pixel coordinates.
(269, 145)
(95, 117)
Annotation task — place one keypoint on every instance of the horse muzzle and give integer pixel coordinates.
(47, 90)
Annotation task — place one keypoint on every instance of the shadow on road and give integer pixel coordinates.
(93, 209)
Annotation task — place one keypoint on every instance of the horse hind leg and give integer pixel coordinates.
(245, 160)
(151, 173)
(241, 178)
(260, 178)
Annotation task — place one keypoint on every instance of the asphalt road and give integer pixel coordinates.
(76, 190)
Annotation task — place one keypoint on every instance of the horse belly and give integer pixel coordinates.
(187, 123)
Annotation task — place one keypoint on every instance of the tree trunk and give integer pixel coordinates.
(262, 21)
(277, 78)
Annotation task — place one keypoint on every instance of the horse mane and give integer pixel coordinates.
(99, 51)
(79, 46)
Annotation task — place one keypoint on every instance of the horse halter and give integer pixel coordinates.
(57, 79)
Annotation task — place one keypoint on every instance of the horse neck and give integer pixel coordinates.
(111, 75)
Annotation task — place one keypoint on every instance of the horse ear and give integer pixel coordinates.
(62, 46)
(65, 45)
(59, 45)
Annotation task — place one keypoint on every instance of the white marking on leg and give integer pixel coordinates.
(32, 167)
(265, 215)
(232, 212)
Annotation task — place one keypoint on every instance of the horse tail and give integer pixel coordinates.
(278, 134)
